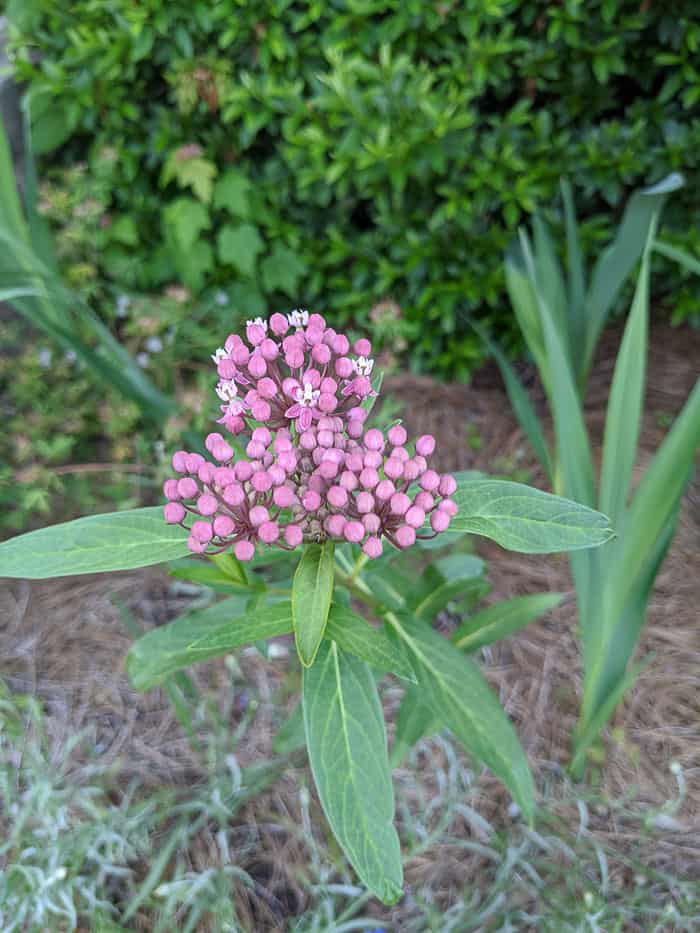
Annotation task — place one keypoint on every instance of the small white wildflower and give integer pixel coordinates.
(588, 900)
(298, 318)
(221, 298)
(70, 356)
(513, 811)
(259, 321)
(142, 359)
(362, 366)
(45, 357)
(221, 354)
(277, 650)
(308, 395)
(154, 344)
(123, 302)
(227, 390)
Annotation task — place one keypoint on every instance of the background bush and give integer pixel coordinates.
(373, 156)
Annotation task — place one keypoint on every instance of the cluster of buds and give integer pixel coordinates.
(312, 471)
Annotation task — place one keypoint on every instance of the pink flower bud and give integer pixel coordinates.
(358, 414)
(393, 468)
(262, 436)
(362, 387)
(321, 354)
(266, 388)
(243, 471)
(287, 460)
(335, 524)
(327, 402)
(384, 490)
(311, 500)
(174, 513)
(293, 535)
(212, 440)
(207, 472)
(374, 439)
(362, 347)
(282, 441)
(373, 459)
(314, 335)
(201, 531)
(328, 469)
(325, 438)
(399, 503)
(290, 386)
(313, 377)
(257, 367)
(364, 502)
(448, 485)
(294, 359)
(397, 435)
(343, 367)
(354, 532)
(430, 481)
(329, 385)
(193, 462)
(255, 450)
(307, 440)
(241, 355)
(340, 345)
(244, 550)
(337, 496)
(222, 452)
(400, 453)
(223, 526)
(405, 536)
(269, 350)
(424, 501)
(354, 461)
(279, 325)
(233, 495)
(369, 478)
(410, 470)
(277, 474)
(170, 489)
(317, 322)
(373, 548)
(260, 410)
(207, 505)
(439, 520)
(372, 522)
(179, 461)
(186, 488)
(226, 369)
(425, 445)
(449, 506)
(261, 481)
(348, 480)
(354, 428)
(257, 515)
(415, 517)
(269, 532)
(255, 334)
(197, 547)
(283, 497)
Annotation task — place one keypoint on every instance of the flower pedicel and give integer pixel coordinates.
(312, 470)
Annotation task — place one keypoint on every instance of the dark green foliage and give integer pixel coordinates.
(340, 154)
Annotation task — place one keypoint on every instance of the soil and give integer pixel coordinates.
(66, 642)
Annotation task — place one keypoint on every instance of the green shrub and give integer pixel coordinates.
(344, 154)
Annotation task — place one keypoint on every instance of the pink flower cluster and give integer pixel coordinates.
(312, 472)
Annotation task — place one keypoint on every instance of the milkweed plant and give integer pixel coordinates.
(295, 473)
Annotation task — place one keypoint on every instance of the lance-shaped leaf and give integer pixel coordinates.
(312, 592)
(414, 720)
(346, 741)
(200, 635)
(458, 695)
(368, 643)
(522, 518)
(95, 544)
(502, 619)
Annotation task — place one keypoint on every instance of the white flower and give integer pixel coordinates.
(142, 359)
(362, 366)
(227, 390)
(154, 344)
(298, 318)
(259, 321)
(221, 298)
(70, 356)
(45, 357)
(123, 302)
(220, 355)
(307, 396)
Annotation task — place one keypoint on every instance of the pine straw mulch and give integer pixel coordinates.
(66, 642)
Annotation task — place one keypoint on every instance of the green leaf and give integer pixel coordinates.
(456, 691)
(240, 247)
(95, 544)
(281, 270)
(624, 414)
(206, 574)
(414, 720)
(184, 219)
(291, 735)
(437, 600)
(346, 741)
(678, 255)
(370, 644)
(502, 619)
(576, 278)
(197, 636)
(231, 193)
(312, 591)
(524, 519)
